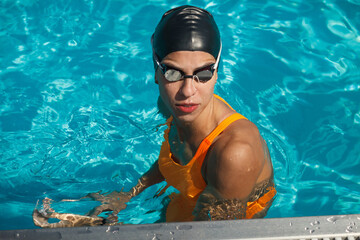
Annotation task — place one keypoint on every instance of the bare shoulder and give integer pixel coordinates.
(237, 160)
(239, 144)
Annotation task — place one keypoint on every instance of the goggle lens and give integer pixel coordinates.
(173, 75)
(204, 75)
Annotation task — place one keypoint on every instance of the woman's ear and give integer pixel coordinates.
(156, 76)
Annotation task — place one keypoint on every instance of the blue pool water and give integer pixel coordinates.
(78, 100)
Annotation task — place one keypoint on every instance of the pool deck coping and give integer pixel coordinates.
(316, 227)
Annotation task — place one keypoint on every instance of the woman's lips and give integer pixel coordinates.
(187, 108)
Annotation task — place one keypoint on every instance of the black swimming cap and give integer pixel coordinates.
(186, 28)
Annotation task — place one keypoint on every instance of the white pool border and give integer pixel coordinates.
(338, 227)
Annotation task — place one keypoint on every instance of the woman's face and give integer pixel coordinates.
(187, 98)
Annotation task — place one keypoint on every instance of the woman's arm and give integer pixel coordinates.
(116, 201)
(112, 202)
(237, 168)
(151, 177)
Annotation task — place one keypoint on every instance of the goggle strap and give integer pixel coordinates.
(218, 57)
(154, 54)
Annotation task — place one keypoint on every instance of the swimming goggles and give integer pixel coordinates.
(201, 75)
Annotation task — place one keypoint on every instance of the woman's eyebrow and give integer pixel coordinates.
(172, 66)
(177, 67)
(204, 65)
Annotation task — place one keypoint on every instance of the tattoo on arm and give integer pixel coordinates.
(211, 208)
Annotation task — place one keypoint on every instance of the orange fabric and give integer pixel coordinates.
(180, 208)
(188, 178)
(261, 203)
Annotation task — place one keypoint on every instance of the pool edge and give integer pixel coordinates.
(314, 227)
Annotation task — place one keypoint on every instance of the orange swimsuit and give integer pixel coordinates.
(188, 178)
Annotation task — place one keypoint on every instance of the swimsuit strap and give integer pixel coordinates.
(205, 144)
(221, 99)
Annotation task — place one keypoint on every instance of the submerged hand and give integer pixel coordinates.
(66, 220)
(112, 202)
(42, 216)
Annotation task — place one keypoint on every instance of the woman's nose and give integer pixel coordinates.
(188, 88)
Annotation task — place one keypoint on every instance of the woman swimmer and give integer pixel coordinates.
(214, 156)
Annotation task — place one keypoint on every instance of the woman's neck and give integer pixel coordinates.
(194, 132)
